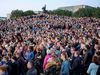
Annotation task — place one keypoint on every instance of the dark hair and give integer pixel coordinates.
(98, 53)
(97, 35)
(65, 55)
(95, 59)
(77, 52)
(14, 57)
(31, 61)
(3, 68)
(31, 47)
(87, 46)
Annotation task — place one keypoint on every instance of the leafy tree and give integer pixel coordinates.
(84, 12)
(96, 12)
(17, 13)
(61, 12)
(29, 12)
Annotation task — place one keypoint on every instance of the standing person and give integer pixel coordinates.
(38, 62)
(46, 58)
(29, 54)
(98, 55)
(93, 67)
(31, 68)
(65, 67)
(21, 62)
(14, 66)
(88, 57)
(76, 64)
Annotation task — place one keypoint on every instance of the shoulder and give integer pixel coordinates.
(34, 72)
(66, 62)
(93, 65)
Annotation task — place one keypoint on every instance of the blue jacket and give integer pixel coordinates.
(92, 70)
(29, 55)
(65, 67)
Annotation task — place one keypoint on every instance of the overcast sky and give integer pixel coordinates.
(6, 6)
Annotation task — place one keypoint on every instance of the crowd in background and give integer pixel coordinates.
(50, 45)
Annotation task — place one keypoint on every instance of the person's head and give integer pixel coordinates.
(5, 59)
(64, 56)
(30, 64)
(76, 54)
(96, 47)
(72, 50)
(30, 48)
(53, 59)
(98, 55)
(84, 51)
(13, 59)
(18, 55)
(98, 35)
(3, 69)
(95, 59)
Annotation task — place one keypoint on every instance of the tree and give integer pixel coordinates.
(84, 12)
(29, 13)
(17, 13)
(61, 12)
(96, 12)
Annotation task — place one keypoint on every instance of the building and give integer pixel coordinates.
(75, 8)
(3, 18)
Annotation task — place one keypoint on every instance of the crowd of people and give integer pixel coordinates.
(50, 45)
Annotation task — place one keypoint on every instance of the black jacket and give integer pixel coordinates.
(15, 69)
(77, 65)
(98, 72)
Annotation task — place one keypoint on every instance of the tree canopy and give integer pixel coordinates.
(20, 13)
(83, 12)
(61, 12)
